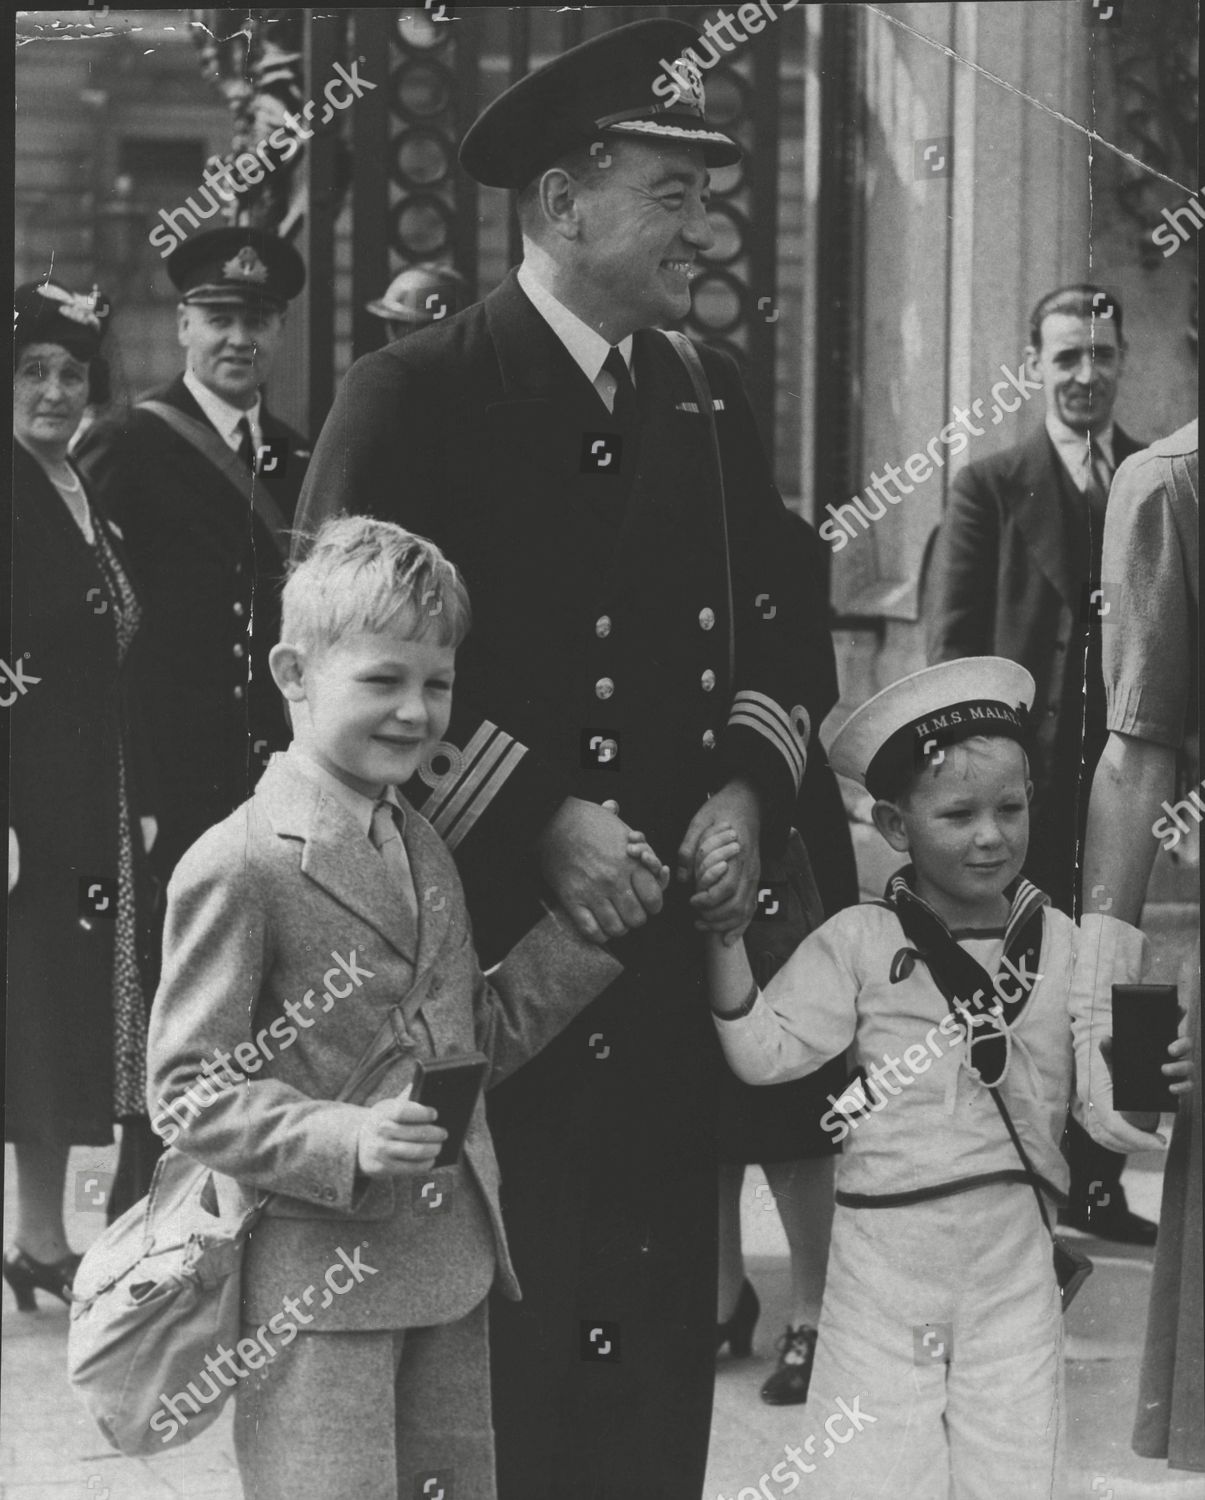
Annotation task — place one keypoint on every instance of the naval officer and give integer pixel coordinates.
(551, 441)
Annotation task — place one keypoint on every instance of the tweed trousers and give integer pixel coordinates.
(386, 1415)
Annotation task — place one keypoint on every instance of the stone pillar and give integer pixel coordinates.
(976, 202)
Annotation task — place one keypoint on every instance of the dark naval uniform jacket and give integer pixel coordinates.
(1014, 565)
(596, 667)
(208, 572)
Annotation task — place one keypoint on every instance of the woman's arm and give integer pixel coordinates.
(1133, 780)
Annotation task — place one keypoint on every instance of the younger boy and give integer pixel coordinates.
(941, 1315)
(293, 928)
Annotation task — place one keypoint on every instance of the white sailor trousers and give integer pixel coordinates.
(943, 1319)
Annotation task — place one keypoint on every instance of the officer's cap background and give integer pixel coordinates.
(620, 83)
(46, 313)
(894, 733)
(234, 267)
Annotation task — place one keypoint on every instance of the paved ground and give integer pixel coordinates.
(49, 1449)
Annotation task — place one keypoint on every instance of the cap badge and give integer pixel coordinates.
(246, 266)
(74, 305)
(688, 86)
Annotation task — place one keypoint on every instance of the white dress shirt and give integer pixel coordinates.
(226, 418)
(588, 347)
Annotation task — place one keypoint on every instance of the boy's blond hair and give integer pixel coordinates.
(362, 575)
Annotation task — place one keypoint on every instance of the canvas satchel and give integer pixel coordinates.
(160, 1290)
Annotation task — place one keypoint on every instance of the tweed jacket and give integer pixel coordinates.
(285, 949)
(1010, 577)
(208, 575)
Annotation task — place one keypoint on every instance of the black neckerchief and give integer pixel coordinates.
(970, 991)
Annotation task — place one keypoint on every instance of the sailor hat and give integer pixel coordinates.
(896, 733)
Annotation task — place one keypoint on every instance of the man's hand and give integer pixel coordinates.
(584, 857)
(398, 1138)
(727, 905)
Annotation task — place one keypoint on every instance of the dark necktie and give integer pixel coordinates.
(623, 408)
(246, 445)
(1097, 480)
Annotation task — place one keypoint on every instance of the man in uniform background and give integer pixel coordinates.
(203, 482)
(552, 444)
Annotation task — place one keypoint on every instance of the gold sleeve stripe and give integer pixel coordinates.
(761, 713)
(453, 829)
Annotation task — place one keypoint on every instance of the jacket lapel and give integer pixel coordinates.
(542, 424)
(429, 860)
(334, 853)
(1052, 517)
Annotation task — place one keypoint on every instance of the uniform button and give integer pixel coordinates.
(604, 687)
(238, 695)
(1052, 710)
(610, 805)
(706, 618)
(329, 1194)
(238, 650)
(707, 681)
(709, 739)
(239, 611)
(602, 627)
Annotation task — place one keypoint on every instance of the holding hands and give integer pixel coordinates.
(604, 874)
(721, 853)
(610, 880)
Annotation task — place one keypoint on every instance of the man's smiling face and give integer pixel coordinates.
(643, 226)
(230, 349)
(1079, 364)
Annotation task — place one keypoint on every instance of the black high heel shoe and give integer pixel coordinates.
(23, 1274)
(737, 1332)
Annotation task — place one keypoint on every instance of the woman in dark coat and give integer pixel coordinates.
(76, 1002)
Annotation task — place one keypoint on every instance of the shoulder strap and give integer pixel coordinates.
(689, 356)
(207, 442)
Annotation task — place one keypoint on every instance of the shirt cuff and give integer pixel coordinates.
(745, 1007)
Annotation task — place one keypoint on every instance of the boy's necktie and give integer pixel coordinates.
(388, 842)
(623, 408)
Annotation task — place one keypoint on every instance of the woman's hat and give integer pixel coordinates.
(634, 82)
(46, 313)
(896, 733)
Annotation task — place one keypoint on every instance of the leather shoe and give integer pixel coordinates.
(788, 1386)
(1117, 1224)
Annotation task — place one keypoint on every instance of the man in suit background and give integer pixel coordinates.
(553, 445)
(1016, 573)
(205, 529)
